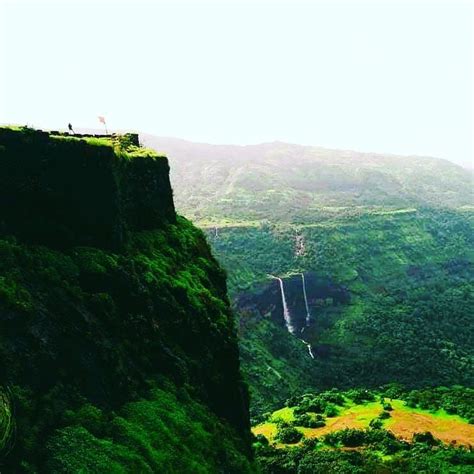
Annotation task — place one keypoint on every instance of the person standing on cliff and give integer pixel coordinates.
(69, 126)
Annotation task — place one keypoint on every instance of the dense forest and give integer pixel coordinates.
(409, 320)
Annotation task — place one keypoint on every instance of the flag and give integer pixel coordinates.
(101, 119)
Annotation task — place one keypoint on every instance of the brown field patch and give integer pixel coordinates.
(404, 424)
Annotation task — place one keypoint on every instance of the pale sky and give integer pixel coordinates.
(385, 76)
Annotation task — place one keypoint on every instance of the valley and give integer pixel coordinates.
(388, 268)
(236, 237)
(336, 311)
(404, 314)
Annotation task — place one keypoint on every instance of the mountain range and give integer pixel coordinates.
(291, 183)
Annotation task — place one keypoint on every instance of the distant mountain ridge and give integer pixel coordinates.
(294, 181)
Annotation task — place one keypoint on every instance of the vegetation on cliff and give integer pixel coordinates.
(6, 422)
(62, 190)
(118, 358)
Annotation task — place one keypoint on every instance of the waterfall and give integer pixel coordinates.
(308, 345)
(287, 315)
(308, 316)
(286, 311)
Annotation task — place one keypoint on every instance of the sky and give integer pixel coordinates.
(384, 76)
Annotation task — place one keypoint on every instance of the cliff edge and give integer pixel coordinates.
(118, 348)
(62, 190)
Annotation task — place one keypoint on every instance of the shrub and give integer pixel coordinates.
(332, 396)
(292, 401)
(348, 437)
(298, 410)
(307, 421)
(310, 443)
(331, 410)
(313, 405)
(288, 435)
(261, 439)
(303, 420)
(281, 423)
(425, 438)
(376, 423)
(359, 395)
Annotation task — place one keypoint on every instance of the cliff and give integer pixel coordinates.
(63, 191)
(118, 347)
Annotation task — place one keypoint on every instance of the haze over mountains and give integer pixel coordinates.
(293, 181)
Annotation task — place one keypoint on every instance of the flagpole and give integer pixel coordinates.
(102, 120)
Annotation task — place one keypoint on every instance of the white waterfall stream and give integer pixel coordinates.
(308, 345)
(287, 315)
(308, 316)
(286, 311)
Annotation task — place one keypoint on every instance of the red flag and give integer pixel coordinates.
(101, 119)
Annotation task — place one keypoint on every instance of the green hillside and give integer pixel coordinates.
(409, 318)
(281, 182)
(119, 346)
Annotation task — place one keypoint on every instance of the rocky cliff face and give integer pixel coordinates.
(63, 191)
(117, 344)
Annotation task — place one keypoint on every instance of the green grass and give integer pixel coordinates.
(364, 413)
(285, 414)
(124, 151)
(358, 416)
(94, 141)
(441, 413)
